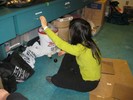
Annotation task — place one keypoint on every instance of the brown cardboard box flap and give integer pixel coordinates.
(107, 67)
(105, 87)
(97, 97)
(122, 92)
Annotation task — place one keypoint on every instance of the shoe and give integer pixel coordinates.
(48, 78)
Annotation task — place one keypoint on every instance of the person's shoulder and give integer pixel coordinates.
(81, 46)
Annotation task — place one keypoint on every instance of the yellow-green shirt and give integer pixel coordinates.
(89, 67)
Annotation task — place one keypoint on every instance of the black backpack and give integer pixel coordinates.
(115, 17)
(7, 77)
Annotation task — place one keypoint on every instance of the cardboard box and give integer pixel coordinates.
(63, 26)
(94, 29)
(95, 12)
(64, 33)
(62, 22)
(116, 82)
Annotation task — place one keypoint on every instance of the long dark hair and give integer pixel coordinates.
(80, 32)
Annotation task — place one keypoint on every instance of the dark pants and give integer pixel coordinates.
(69, 76)
(16, 96)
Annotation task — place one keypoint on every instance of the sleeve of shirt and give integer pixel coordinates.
(67, 47)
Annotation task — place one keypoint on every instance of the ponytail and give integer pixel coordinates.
(95, 50)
